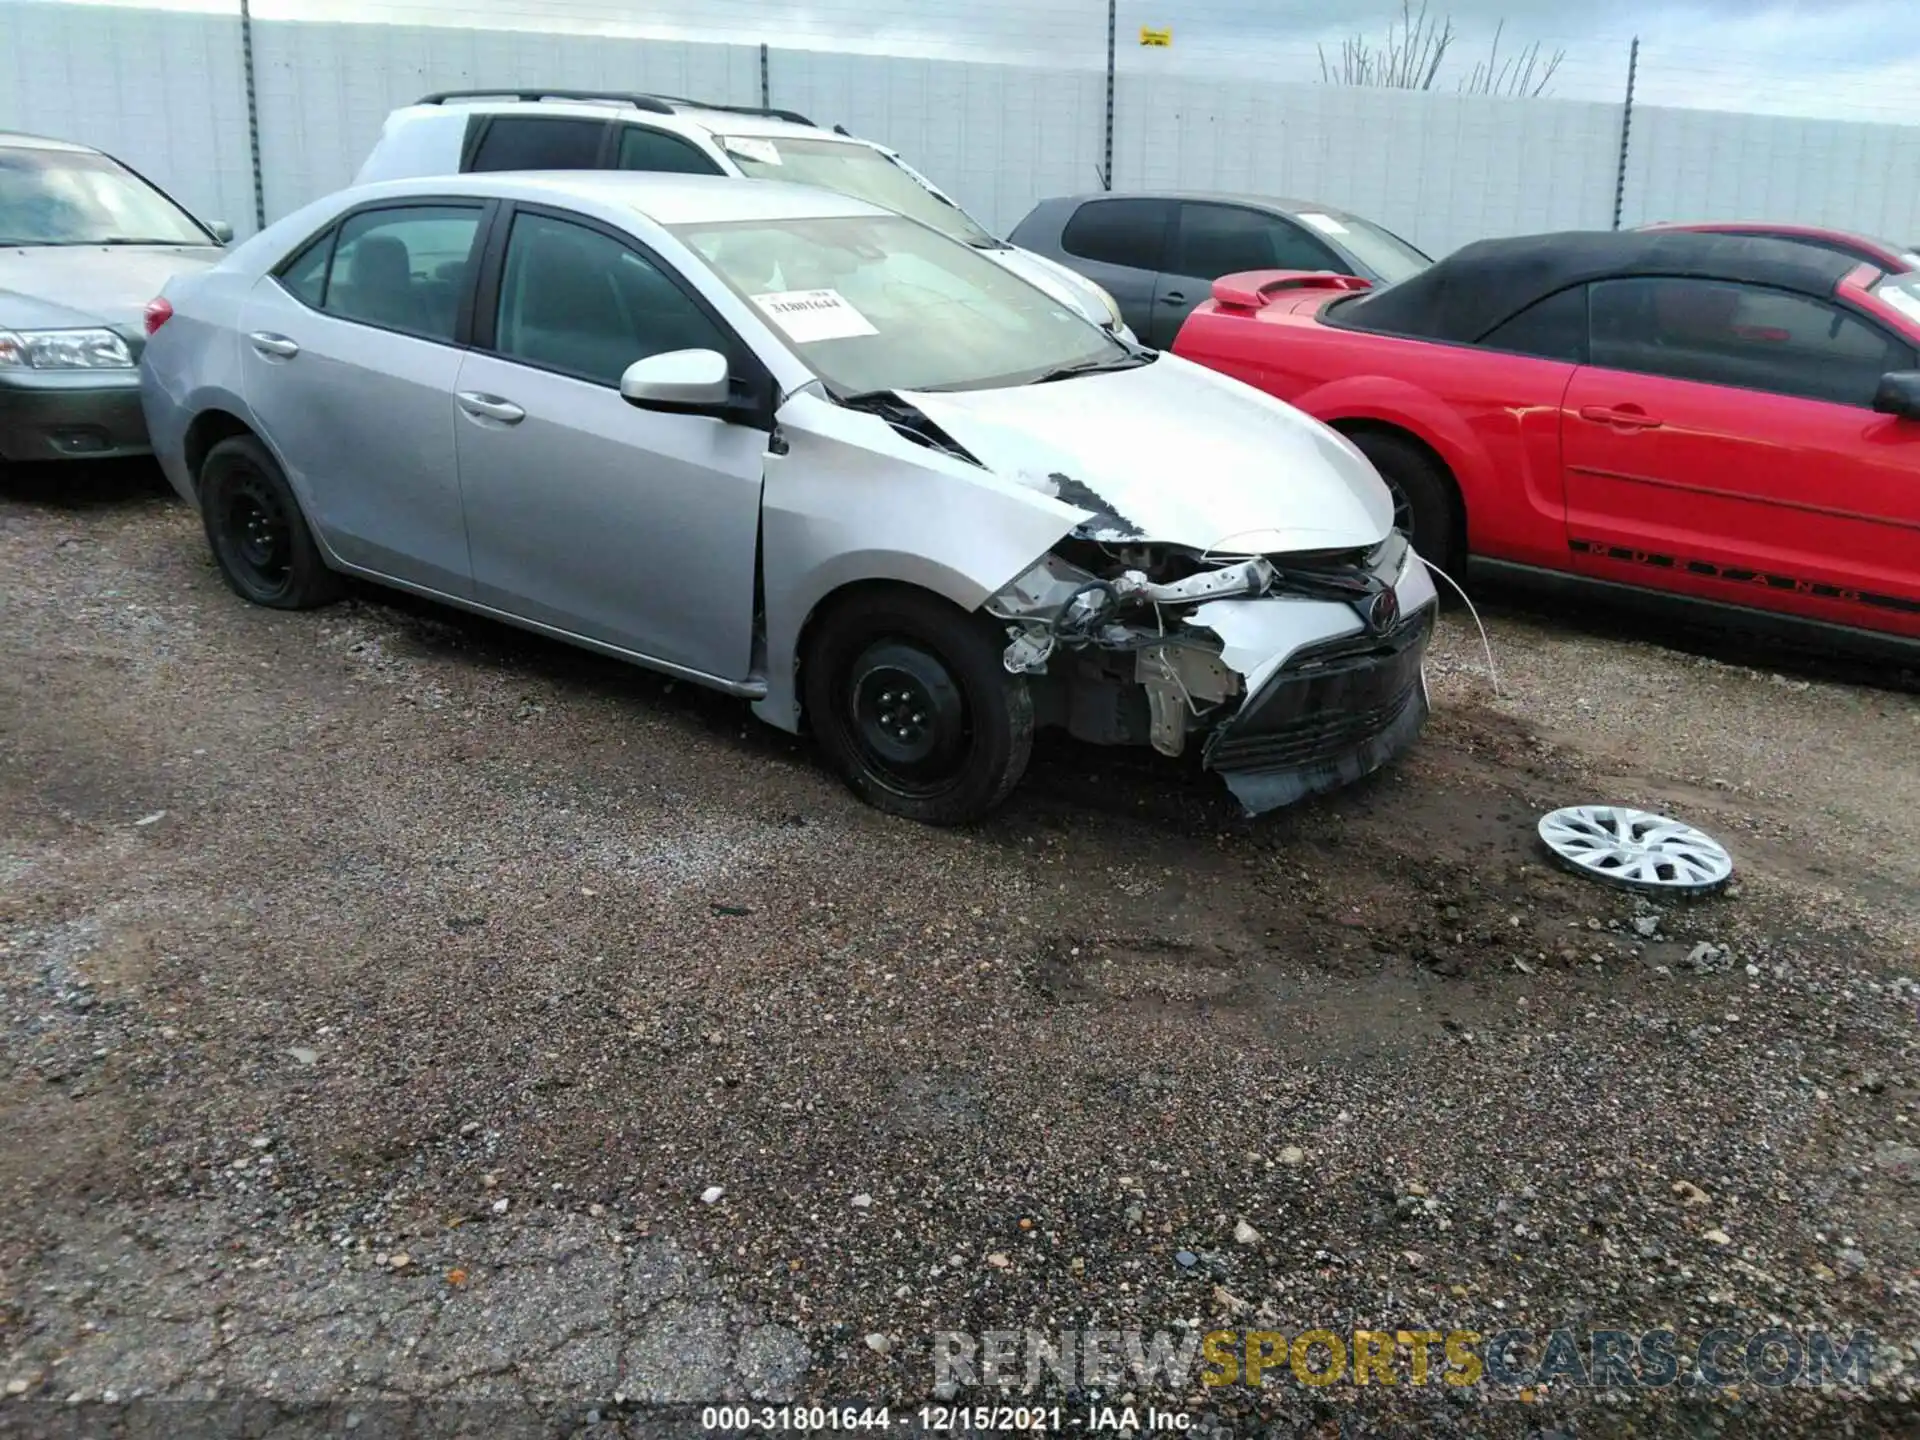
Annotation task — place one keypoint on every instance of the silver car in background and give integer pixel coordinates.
(804, 450)
(84, 244)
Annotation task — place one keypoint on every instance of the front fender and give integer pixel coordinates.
(851, 500)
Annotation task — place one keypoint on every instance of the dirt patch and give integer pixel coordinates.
(445, 916)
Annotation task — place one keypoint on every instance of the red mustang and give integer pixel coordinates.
(1722, 423)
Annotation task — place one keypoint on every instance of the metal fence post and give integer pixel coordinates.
(1106, 170)
(253, 117)
(766, 89)
(1626, 129)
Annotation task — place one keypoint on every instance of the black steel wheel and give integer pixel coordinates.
(908, 696)
(259, 537)
(909, 715)
(257, 532)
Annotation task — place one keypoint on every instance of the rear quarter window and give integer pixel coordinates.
(304, 275)
(644, 148)
(1554, 328)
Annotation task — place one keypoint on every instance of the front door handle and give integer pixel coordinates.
(1626, 418)
(490, 407)
(1173, 297)
(267, 343)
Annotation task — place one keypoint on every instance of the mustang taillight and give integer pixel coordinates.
(158, 312)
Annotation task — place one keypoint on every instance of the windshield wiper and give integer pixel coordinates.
(139, 240)
(1131, 360)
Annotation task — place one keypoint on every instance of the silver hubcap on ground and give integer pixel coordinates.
(1635, 849)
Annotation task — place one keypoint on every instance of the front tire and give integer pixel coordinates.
(1424, 503)
(259, 537)
(908, 697)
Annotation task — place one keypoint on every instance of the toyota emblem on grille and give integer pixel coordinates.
(1384, 610)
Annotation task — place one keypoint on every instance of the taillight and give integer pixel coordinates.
(158, 313)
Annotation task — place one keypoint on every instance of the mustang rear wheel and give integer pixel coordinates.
(1424, 504)
(259, 537)
(908, 697)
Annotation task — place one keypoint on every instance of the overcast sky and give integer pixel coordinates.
(1854, 59)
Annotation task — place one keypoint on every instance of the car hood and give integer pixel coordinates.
(1058, 281)
(51, 287)
(1173, 453)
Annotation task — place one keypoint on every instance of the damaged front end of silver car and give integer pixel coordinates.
(1295, 674)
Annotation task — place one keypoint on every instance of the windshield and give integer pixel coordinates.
(1902, 292)
(878, 302)
(857, 170)
(71, 197)
(1381, 251)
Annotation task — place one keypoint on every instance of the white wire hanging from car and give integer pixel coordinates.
(1493, 674)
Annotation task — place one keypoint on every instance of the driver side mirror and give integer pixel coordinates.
(684, 382)
(222, 231)
(1899, 394)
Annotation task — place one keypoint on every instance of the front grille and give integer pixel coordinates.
(1329, 700)
(1313, 739)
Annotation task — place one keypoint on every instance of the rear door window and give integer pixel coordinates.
(1216, 240)
(545, 142)
(1119, 232)
(404, 268)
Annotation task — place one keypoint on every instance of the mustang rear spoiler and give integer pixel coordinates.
(1252, 289)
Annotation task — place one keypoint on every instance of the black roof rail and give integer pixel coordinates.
(653, 104)
(793, 116)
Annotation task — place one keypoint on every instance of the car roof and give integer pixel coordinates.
(1481, 285)
(666, 199)
(663, 113)
(1262, 202)
(16, 140)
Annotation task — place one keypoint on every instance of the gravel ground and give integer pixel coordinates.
(401, 1008)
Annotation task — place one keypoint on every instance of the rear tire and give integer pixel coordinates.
(908, 697)
(259, 537)
(1424, 502)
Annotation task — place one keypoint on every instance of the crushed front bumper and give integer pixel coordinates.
(1332, 713)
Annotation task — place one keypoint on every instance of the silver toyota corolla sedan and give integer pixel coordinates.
(806, 451)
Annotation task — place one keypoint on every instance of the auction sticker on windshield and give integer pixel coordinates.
(809, 315)
(1326, 224)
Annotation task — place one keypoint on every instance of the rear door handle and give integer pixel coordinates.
(490, 407)
(1626, 419)
(267, 343)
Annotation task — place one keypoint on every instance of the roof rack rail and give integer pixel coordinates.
(794, 116)
(650, 103)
